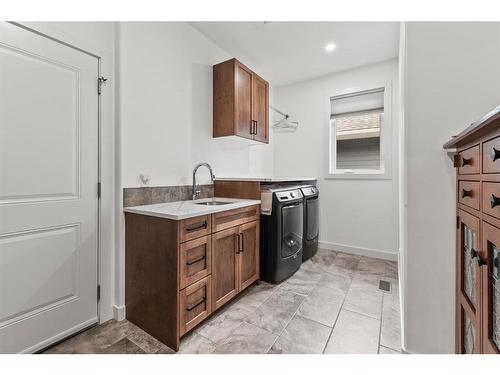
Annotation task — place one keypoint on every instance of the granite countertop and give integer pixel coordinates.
(266, 179)
(186, 209)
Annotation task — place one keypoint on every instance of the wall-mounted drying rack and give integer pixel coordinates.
(284, 122)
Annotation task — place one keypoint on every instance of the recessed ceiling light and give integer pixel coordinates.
(330, 47)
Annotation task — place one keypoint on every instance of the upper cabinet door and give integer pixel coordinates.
(240, 102)
(260, 103)
(243, 90)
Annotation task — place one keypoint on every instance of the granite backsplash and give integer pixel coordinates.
(162, 194)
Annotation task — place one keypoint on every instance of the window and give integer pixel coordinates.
(356, 123)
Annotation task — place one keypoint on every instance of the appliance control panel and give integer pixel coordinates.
(288, 195)
(310, 190)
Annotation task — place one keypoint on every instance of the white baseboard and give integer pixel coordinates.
(373, 253)
(119, 312)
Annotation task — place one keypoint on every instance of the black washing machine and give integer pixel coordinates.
(311, 221)
(282, 236)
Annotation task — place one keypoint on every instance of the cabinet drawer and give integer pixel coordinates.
(469, 161)
(491, 156)
(469, 193)
(195, 260)
(194, 227)
(232, 218)
(194, 304)
(491, 198)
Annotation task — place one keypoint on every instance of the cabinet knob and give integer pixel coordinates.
(466, 161)
(466, 193)
(495, 201)
(495, 154)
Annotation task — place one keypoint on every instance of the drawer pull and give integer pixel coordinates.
(495, 154)
(466, 193)
(495, 201)
(202, 226)
(475, 254)
(190, 263)
(466, 161)
(195, 305)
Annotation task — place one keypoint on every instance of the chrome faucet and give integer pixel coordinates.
(196, 188)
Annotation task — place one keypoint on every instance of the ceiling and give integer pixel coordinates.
(287, 52)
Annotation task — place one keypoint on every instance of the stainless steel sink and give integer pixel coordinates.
(212, 203)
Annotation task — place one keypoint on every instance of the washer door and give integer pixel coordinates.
(291, 229)
(312, 209)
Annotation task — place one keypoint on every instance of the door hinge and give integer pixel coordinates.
(98, 190)
(100, 81)
(98, 293)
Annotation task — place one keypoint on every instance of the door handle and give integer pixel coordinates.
(495, 154)
(242, 246)
(190, 263)
(196, 304)
(251, 126)
(256, 127)
(475, 254)
(237, 243)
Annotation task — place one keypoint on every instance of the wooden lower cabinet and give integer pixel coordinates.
(177, 273)
(477, 160)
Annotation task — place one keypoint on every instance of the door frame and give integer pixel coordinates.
(100, 210)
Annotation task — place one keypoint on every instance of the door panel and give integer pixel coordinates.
(491, 289)
(243, 101)
(48, 190)
(260, 105)
(224, 266)
(248, 256)
(469, 287)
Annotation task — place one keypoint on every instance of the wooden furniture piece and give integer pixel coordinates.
(240, 102)
(178, 272)
(477, 160)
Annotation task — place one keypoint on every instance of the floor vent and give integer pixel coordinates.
(384, 286)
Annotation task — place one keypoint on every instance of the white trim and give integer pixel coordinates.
(355, 250)
(60, 336)
(119, 312)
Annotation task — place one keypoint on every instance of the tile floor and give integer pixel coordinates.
(331, 305)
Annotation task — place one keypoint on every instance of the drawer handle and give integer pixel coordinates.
(495, 201)
(475, 254)
(190, 263)
(466, 161)
(195, 305)
(466, 193)
(202, 226)
(495, 154)
(242, 247)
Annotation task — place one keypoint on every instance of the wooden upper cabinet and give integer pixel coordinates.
(240, 102)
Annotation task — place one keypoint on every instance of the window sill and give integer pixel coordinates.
(358, 176)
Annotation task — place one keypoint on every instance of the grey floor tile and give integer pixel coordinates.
(390, 332)
(145, 341)
(337, 282)
(346, 261)
(247, 339)
(124, 346)
(302, 336)
(302, 282)
(196, 344)
(219, 327)
(324, 259)
(275, 313)
(371, 266)
(354, 333)
(391, 269)
(384, 350)
(323, 305)
(367, 302)
(255, 296)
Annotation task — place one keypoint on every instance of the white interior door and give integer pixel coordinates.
(48, 190)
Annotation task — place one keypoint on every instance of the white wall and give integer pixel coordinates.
(349, 207)
(166, 107)
(452, 78)
(165, 115)
(98, 38)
